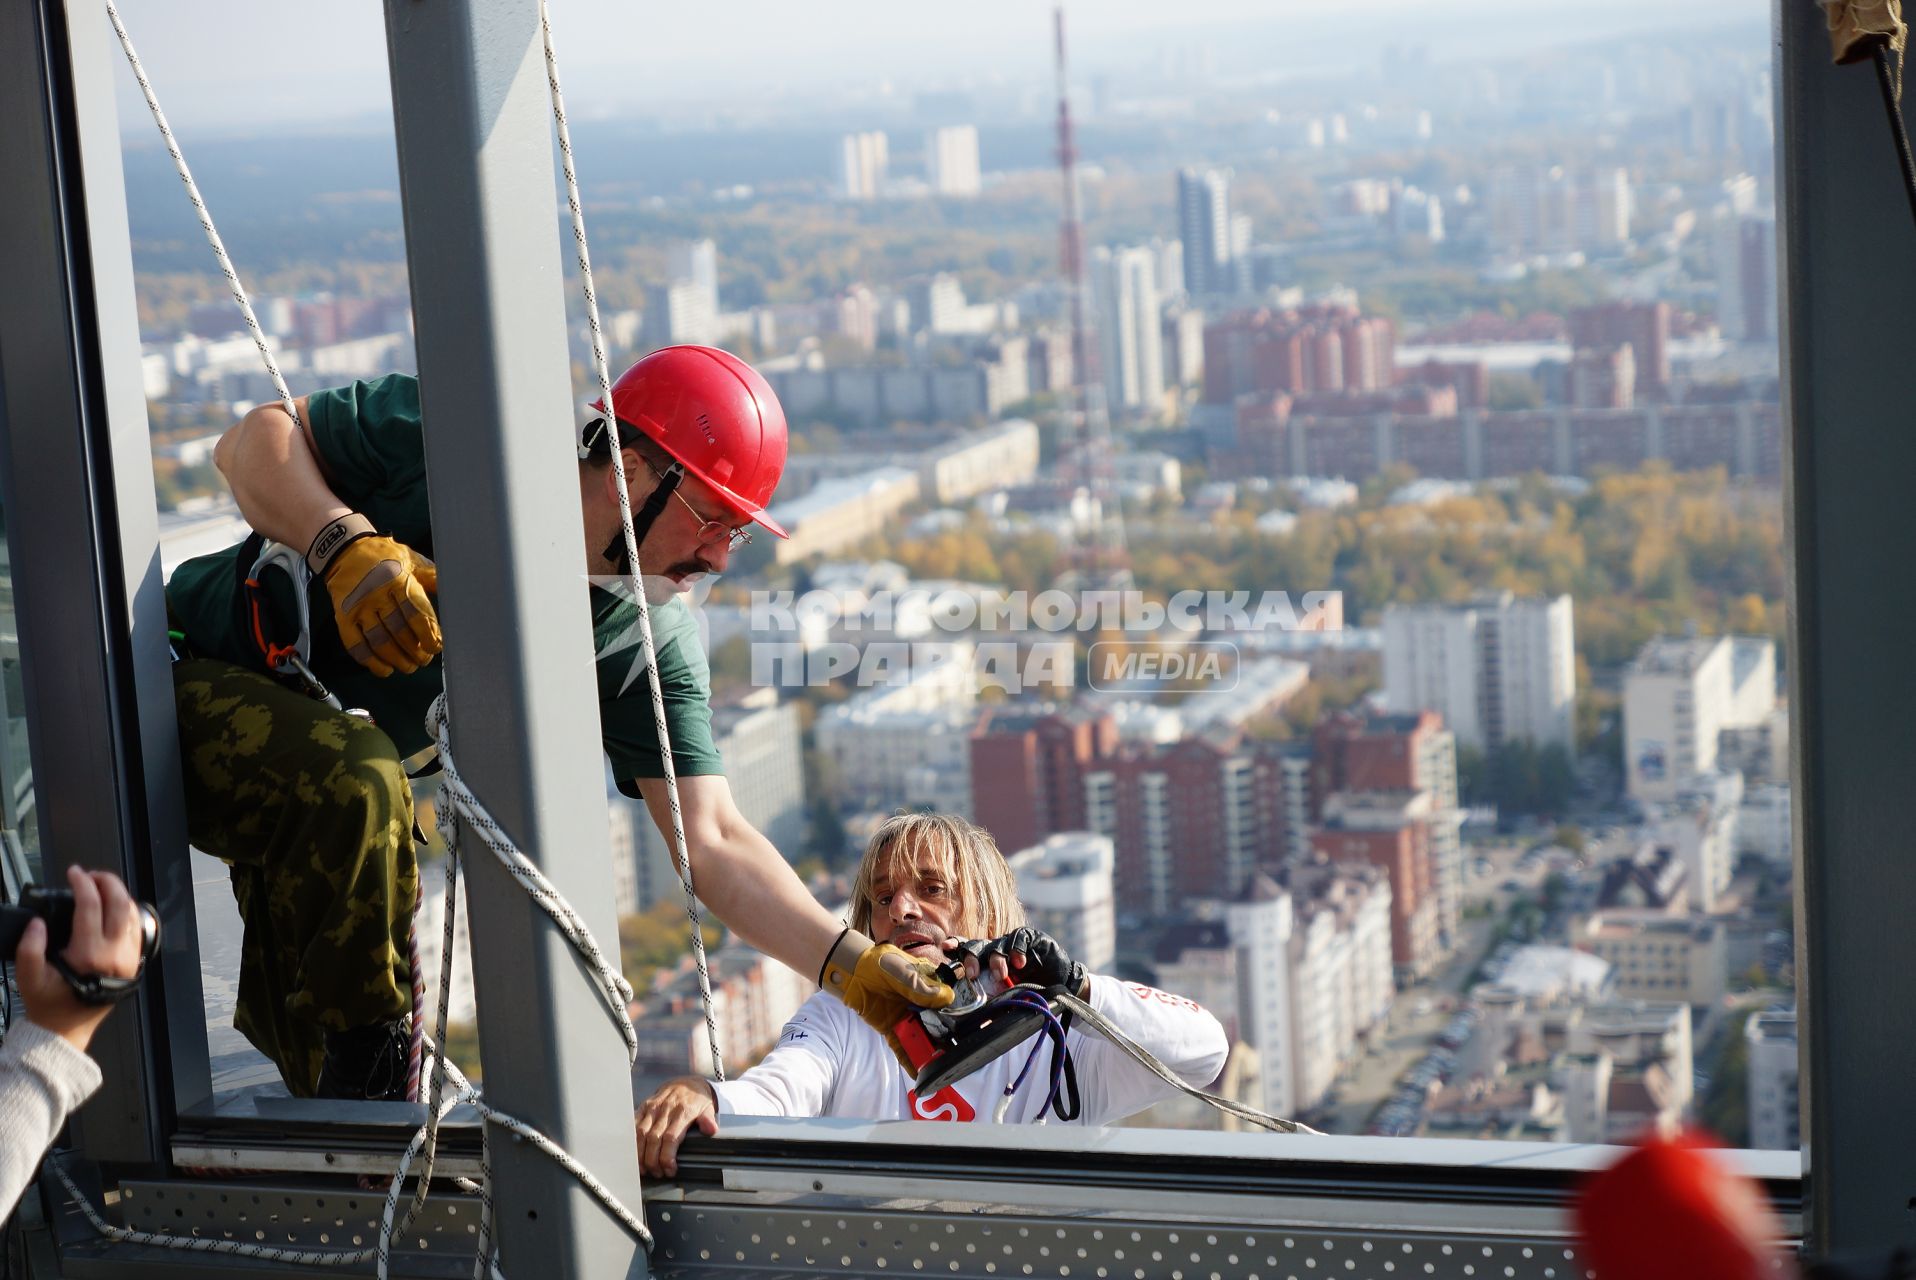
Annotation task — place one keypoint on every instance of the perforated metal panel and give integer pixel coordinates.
(275, 1215)
(776, 1241)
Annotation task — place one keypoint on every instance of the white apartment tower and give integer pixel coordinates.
(951, 160)
(1125, 284)
(859, 168)
(1775, 1117)
(1679, 694)
(1260, 924)
(1066, 886)
(697, 261)
(1499, 669)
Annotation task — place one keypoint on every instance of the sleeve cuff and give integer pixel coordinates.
(70, 1075)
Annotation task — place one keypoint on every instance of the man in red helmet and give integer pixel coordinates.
(311, 807)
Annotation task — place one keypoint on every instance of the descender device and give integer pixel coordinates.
(977, 1028)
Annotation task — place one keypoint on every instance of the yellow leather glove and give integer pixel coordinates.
(881, 984)
(380, 599)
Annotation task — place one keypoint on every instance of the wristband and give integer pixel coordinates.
(334, 537)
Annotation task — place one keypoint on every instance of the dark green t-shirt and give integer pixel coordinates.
(369, 438)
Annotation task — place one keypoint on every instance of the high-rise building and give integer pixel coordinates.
(937, 303)
(679, 312)
(854, 313)
(1028, 767)
(1497, 668)
(1642, 326)
(1391, 830)
(1260, 923)
(951, 160)
(1204, 229)
(1775, 1109)
(1321, 349)
(1183, 345)
(1555, 210)
(1676, 696)
(1124, 283)
(1410, 752)
(1313, 1007)
(696, 261)
(1185, 820)
(1170, 259)
(1744, 249)
(860, 165)
(1603, 378)
(1065, 884)
(1681, 697)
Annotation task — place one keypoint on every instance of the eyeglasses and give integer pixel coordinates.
(711, 532)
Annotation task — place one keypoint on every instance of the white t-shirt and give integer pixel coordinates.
(829, 1063)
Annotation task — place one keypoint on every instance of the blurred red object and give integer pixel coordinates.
(1673, 1210)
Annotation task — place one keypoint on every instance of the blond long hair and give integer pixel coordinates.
(964, 854)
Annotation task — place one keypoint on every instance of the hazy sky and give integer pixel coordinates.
(224, 65)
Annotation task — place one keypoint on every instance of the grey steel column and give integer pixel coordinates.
(1848, 282)
(482, 236)
(84, 543)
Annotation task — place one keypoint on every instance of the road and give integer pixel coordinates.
(1408, 1034)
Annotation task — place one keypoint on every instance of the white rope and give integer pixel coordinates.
(206, 219)
(1110, 1031)
(633, 570)
(611, 983)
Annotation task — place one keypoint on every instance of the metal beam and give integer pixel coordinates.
(84, 546)
(1848, 251)
(477, 178)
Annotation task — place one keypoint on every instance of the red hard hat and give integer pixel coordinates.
(716, 416)
(1672, 1211)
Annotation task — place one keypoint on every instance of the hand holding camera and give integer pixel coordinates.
(76, 956)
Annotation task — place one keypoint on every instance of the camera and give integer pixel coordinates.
(55, 906)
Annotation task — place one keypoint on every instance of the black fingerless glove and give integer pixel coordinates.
(1047, 964)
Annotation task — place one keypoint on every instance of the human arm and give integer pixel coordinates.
(1177, 1031)
(276, 475)
(44, 1070)
(379, 586)
(795, 1079)
(741, 877)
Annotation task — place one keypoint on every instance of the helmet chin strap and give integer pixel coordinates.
(642, 519)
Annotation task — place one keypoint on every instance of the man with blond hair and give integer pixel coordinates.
(928, 882)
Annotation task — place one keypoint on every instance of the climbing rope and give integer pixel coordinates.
(1110, 1031)
(206, 219)
(633, 571)
(461, 801)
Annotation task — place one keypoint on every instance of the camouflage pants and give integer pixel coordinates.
(312, 811)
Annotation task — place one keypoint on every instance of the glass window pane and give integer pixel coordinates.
(19, 832)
